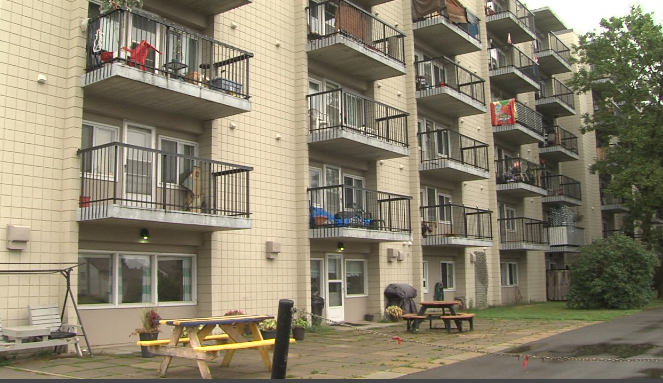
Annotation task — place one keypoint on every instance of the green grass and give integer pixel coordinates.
(321, 329)
(555, 311)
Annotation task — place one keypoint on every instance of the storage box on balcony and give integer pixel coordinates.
(227, 85)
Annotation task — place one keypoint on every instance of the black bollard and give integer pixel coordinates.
(282, 342)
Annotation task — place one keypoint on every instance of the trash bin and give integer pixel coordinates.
(317, 304)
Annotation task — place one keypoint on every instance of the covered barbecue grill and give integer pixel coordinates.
(401, 295)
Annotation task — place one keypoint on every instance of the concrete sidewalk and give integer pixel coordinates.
(367, 350)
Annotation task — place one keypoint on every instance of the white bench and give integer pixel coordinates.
(49, 317)
(27, 337)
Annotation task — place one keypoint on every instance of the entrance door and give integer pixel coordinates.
(139, 167)
(334, 301)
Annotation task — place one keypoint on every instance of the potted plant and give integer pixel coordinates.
(149, 330)
(394, 312)
(107, 5)
(299, 326)
(247, 330)
(268, 328)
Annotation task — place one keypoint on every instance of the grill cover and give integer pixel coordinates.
(401, 295)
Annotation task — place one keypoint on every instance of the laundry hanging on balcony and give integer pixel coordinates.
(453, 9)
(503, 112)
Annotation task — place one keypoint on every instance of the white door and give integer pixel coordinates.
(139, 167)
(334, 296)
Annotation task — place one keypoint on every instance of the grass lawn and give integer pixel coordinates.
(555, 311)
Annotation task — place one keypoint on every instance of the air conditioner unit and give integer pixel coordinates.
(394, 254)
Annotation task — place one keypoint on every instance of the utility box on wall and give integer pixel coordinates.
(273, 249)
(394, 254)
(17, 237)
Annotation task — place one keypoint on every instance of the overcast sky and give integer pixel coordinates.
(585, 15)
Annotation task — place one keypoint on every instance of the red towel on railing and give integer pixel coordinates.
(503, 112)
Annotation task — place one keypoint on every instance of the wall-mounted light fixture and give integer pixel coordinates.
(145, 234)
(341, 247)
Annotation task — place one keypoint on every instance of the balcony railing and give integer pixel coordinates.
(518, 170)
(336, 109)
(529, 118)
(449, 144)
(514, 6)
(558, 185)
(609, 199)
(343, 206)
(557, 136)
(333, 17)
(160, 47)
(523, 230)
(471, 28)
(548, 41)
(566, 235)
(133, 176)
(555, 88)
(509, 56)
(456, 221)
(441, 72)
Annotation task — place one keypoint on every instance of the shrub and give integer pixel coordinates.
(612, 273)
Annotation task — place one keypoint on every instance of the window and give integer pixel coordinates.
(316, 278)
(425, 277)
(117, 279)
(355, 277)
(354, 193)
(509, 271)
(176, 169)
(98, 161)
(448, 272)
(509, 214)
(315, 181)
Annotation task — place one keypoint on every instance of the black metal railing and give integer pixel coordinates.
(518, 170)
(456, 221)
(449, 144)
(527, 117)
(521, 12)
(509, 56)
(333, 17)
(442, 72)
(558, 136)
(548, 41)
(160, 47)
(555, 88)
(471, 27)
(523, 230)
(609, 199)
(561, 186)
(344, 206)
(337, 109)
(133, 176)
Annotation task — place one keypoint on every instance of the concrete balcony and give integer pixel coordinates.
(510, 18)
(560, 145)
(521, 233)
(610, 204)
(132, 186)
(203, 79)
(456, 226)
(363, 215)
(203, 8)
(446, 89)
(566, 239)
(552, 54)
(525, 126)
(562, 190)
(517, 177)
(512, 70)
(448, 155)
(555, 99)
(352, 41)
(446, 37)
(357, 127)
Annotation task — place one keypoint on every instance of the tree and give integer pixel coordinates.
(623, 65)
(612, 273)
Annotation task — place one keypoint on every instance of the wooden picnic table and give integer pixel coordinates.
(440, 309)
(199, 330)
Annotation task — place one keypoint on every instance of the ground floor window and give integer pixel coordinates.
(355, 277)
(509, 271)
(117, 278)
(448, 272)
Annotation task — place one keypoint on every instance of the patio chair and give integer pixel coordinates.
(139, 54)
(49, 316)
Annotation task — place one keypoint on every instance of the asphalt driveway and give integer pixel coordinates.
(584, 353)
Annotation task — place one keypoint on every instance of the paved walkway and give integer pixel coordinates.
(368, 350)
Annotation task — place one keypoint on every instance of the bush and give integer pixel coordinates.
(612, 273)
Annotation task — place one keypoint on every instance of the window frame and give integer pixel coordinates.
(117, 134)
(452, 265)
(511, 270)
(180, 144)
(508, 213)
(154, 259)
(425, 276)
(365, 275)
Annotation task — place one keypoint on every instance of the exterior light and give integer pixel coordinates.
(145, 234)
(340, 246)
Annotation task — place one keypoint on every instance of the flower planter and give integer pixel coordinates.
(268, 334)
(147, 336)
(298, 333)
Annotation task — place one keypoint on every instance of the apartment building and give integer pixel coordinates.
(204, 156)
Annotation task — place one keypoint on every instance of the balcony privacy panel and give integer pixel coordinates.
(523, 230)
(340, 17)
(345, 206)
(336, 109)
(156, 46)
(456, 221)
(132, 176)
(449, 144)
